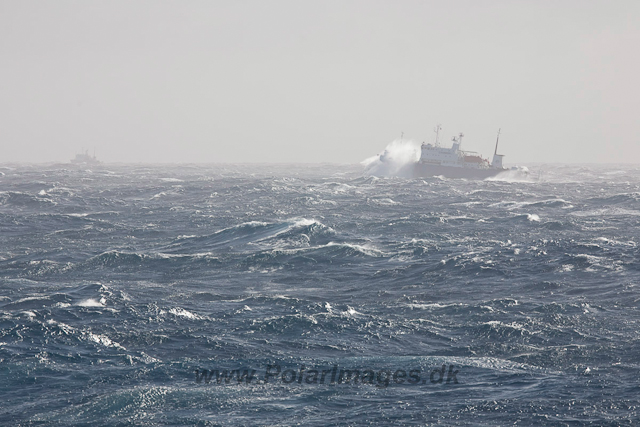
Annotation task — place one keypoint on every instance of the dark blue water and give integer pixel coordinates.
(134, 295)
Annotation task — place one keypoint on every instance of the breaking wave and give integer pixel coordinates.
(396, 160)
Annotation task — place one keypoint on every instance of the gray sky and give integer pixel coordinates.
(318, 81)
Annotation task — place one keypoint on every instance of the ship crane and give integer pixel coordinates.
(458, 138)
(457, 142)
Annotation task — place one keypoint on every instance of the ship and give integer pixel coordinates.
(454, 162)
(85, 159)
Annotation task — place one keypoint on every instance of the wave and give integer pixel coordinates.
(20, 199)
(518, 175)
(332, 253)
(152, 264)
(615, 199)
(296, 231)
(548, 203)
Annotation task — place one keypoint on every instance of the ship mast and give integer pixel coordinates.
(437, 131)
(497, 158)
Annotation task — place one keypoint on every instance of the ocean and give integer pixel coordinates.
(217, 295)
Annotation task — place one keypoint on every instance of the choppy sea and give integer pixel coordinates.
(313, 295)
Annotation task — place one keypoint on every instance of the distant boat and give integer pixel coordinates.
(85, 159)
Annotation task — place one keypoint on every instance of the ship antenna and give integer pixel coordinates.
(497, 139)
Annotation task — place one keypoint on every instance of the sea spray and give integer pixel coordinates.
(515, 174)
(395, 160)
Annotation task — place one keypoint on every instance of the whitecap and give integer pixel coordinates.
(384, 202)
(181, 312)
(366, 250)
(91, 303)
(103, 340)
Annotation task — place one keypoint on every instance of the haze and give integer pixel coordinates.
(322, 81)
